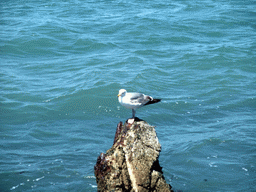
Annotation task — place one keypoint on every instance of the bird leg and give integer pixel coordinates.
(133, 113)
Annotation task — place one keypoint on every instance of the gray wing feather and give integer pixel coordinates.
(139, 98)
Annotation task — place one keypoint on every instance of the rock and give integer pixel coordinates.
(131, 164)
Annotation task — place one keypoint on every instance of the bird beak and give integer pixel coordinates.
(118, 95)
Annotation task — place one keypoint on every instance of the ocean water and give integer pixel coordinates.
(63, 62)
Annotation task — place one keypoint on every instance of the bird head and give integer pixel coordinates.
(122, 92)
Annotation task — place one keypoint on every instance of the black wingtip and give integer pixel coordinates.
(153, 101)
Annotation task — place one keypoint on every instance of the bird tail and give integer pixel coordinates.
(152, 101)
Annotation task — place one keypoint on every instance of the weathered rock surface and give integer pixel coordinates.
(131, 164)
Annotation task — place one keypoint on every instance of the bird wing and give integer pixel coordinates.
(139, 98)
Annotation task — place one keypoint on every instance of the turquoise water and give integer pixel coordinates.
(63, 62)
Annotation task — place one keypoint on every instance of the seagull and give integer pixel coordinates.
(134, 100)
